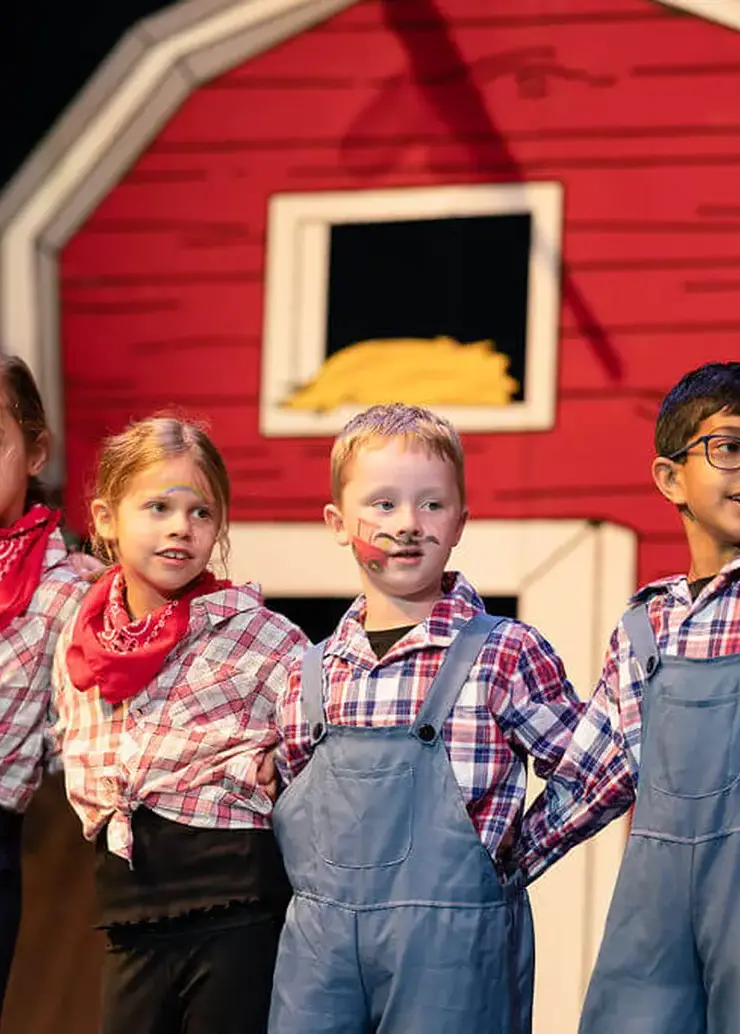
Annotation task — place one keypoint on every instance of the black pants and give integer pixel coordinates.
(213, 976)
(10, 893)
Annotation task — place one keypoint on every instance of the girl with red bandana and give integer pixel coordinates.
(39, 591)
(165, 686)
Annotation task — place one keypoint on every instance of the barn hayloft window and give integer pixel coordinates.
(445, 296)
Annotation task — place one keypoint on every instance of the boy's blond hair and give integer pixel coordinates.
(416, 425)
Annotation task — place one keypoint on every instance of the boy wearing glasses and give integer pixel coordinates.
(662, 731)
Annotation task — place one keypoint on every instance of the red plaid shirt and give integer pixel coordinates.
(517, 699)
(188, 745)
(597, 778)
(26, 653)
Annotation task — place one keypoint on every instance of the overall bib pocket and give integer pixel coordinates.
(693, 745)
(365, 817)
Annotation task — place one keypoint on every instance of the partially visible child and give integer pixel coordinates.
(39, 590)
(165, 685)
(405, 744)
(663, 727)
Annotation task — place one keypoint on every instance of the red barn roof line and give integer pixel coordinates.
(156, 66)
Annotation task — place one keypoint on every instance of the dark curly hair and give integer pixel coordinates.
(705, 391)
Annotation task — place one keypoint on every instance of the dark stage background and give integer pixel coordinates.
(48, 50)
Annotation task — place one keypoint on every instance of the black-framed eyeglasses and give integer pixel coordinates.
(721, 450)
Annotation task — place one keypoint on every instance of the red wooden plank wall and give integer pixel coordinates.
(630, 105)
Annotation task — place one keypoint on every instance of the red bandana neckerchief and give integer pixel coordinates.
(22, 549)
(121, 656)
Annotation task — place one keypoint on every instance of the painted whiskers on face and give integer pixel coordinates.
(373, 548)
(401, 512)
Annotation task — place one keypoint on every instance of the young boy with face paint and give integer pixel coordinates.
(662, 731)
(405, 743)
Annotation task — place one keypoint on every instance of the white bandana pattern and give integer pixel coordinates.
(122, 635)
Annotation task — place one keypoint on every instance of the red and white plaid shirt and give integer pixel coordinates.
(517, 699)
(597, 779)
(187, 746)
(26, 653)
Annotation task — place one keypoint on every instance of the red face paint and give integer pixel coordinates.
(372, 557)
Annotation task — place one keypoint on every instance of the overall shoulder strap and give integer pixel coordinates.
(312, 689)
(452, 675)
(640, 632)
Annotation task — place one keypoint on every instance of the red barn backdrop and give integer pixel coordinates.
(172, 244)
(631, 109)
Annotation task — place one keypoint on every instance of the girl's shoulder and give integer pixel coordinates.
(60, 589)
(239, 613)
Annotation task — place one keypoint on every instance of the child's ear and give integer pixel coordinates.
(335, 523)
(668, 477)
(103, 519)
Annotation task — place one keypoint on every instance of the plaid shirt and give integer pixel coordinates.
(597, 778)
(189, 744)
(26, 652)
(517, 699)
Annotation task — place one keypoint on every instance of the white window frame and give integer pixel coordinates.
(297, 282)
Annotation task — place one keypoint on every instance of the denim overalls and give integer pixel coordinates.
(670, 958)
(399, 923)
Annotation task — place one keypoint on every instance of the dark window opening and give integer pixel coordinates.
(318, 616)
(465, 277)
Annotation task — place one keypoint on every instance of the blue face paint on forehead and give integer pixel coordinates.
(183, 488)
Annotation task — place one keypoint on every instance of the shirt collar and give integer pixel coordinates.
(678, 585)
(457, 606)
(224, 604)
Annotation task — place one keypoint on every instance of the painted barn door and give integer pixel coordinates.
(570, 579)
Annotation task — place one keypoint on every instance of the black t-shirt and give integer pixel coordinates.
(696, 587)
(382, 640)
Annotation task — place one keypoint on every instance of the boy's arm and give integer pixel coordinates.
(532, 700)
(596, 779)
(283, 645)
(54, 727)
(293, 751)
(61, 598)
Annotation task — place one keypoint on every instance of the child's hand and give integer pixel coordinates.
(267, 776)
(87, 567)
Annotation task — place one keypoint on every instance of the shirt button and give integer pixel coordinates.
(426, 733)
(317, 731)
